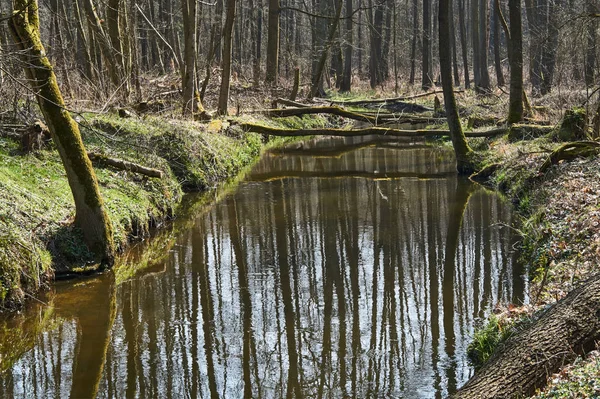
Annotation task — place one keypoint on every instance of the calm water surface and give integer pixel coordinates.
(339, 268)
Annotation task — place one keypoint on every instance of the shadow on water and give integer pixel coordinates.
(322, 285)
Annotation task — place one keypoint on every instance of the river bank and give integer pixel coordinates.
(560, 242)
(37, 240)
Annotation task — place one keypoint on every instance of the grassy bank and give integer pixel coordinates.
(559, 219)
(37, 238)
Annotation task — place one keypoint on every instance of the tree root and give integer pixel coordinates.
(570, 151)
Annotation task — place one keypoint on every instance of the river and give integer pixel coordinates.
(349, 267)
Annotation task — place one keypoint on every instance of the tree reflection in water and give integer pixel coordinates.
(352, 270)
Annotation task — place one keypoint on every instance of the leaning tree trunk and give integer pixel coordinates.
(568, 329)
(461, 148)
(91, 214)
(227, 42)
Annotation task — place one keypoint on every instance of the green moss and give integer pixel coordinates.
(37, 234)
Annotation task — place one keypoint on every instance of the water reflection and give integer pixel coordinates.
(306, 282)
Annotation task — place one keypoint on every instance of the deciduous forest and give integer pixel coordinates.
(450, 144)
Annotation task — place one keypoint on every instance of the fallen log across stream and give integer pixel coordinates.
(384, 100)
(569, 328)
(368, 131)
(374, 118)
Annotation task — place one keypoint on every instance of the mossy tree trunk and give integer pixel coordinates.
(91, 214)
(461, 148)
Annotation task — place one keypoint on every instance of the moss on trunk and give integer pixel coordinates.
(91, 215)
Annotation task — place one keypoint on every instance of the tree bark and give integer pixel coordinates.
(273, 42)
(413, 45)
(346, 83)
(461, 148)
(91, 214)
(427, 75)
(515, 58)
(227, 53)
(104, 42)
(569, 328)
(497, 48)
(318, 73)
(590, 53)
(463, 42)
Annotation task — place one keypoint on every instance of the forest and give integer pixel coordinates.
(399, 119)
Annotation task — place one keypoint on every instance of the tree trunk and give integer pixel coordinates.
(227, 54)
(273, 42)
(59, 49)
(484, 74)
(84, 46)
(413, 45)
(346, 83)
(91, 214)
(463, 41)
(104, 42)
(427, 76)
(320, 65)
(515, 58)
(191, 98)
(590, 53)
(497, 52)
(569, 328)
(461, 148)
(454, 52)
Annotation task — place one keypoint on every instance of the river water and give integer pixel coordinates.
(353, 267)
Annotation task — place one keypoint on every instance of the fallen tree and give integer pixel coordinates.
(384, 100)
(570, 151)
(124, 165)
(569, 328)
(375, 118)
(382, 131)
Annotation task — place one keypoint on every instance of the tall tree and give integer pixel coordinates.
(463, 41)
(192, 105)
(91, 214)
(590, 53)
(497, 47)
(348, 42)
(273, 42)
(320, 58)
(514, 36)
(413, 43)
(104, 42)
(461, 149)
(427, 76)
(227, 54)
